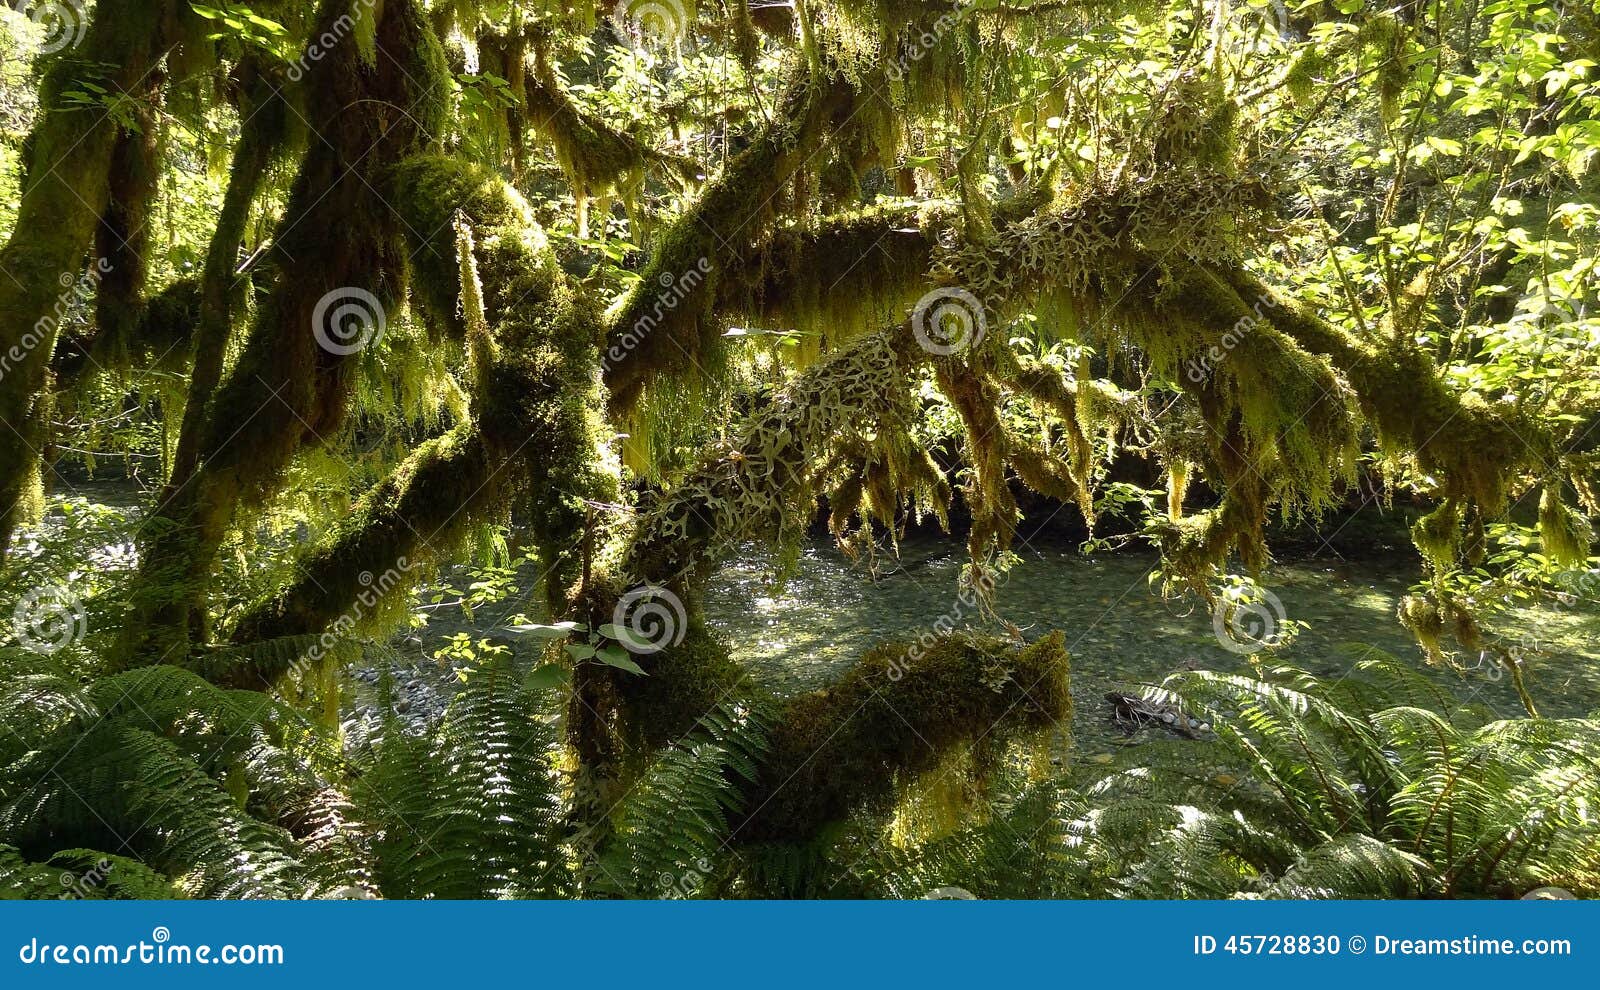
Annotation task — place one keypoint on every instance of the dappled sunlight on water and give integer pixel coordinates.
(1121, 633)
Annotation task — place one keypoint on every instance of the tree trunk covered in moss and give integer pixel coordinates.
(896, 714)
(338, 243)
(267, 134)
(66, 189)
(123, 236)
(536, 440)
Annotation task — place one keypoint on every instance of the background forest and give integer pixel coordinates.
(698, 448)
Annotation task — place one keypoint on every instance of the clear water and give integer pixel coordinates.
(1121, 633)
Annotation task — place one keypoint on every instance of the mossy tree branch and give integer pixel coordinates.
(66, 191)
(337, 235)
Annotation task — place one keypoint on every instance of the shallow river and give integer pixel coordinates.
(1120, 632)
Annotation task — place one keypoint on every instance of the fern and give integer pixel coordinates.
(674, 826)
(472, 808)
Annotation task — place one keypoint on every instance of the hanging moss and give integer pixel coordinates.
(596, 158)
(1422, 617)
(398, 533)
(761, 487)
(896, 715)
(1438, 536)
(646, 338)
(66, 187)
(833, 279)
(987, 451)
(1565, 532)
(286, 387)
(1474, 449)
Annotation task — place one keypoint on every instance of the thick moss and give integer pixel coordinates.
(895, 715)
(66, 188)
(685, 682)
(535, 441)
(159, 340)
(400, 530)
(1473, 448)
(833, 279)
(287, 388)
(646, 340)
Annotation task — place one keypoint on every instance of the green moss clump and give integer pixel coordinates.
(1565, 532)
(685, 681)
(895, 715)
(1422, 617)
(1437, 536)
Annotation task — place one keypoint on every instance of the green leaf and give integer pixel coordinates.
(616, 656)
(546, 677)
